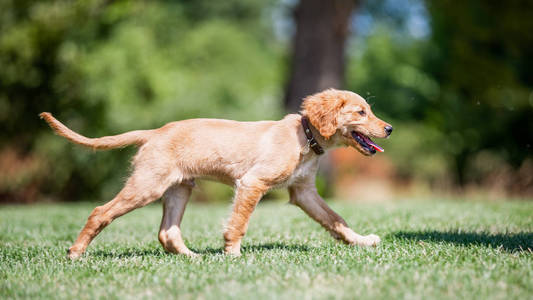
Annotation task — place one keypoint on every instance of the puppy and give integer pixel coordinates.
(254, 157)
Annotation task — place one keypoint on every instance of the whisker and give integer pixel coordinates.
(369, 98)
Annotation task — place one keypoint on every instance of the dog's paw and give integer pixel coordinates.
(190, 254)
(232, 251)
(368, 240)
(73, 254)
(373, 240)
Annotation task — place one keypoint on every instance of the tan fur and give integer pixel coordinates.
(322, 110)
(252, 156)
(137, 137)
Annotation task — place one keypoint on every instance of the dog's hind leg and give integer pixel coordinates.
(142, 188)
(174, 201)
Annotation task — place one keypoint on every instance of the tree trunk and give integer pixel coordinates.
(322, 27)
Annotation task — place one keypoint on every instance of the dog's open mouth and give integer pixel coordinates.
(366, 142)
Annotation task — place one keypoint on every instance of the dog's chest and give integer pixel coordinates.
(304, 169)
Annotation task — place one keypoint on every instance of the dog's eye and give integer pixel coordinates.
(362, 112)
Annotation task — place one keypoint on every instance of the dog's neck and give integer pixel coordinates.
(311, 140)
(320, 140)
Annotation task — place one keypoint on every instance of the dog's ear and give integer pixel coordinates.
(323, 109)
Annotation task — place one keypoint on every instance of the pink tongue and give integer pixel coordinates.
(378, 148)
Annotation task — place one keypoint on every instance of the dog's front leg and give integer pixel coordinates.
(247, 195)
(306, 197)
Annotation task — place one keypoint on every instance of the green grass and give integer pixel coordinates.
(429, 250)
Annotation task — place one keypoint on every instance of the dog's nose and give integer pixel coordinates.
(388, 129)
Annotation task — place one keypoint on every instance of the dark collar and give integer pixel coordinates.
(311, 141)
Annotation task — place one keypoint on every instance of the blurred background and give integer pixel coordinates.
(454, 78)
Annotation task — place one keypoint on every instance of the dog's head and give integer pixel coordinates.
(346, 117)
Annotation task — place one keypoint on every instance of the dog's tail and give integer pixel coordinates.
(137, 137)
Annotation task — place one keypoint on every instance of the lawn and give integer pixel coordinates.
(430, 250)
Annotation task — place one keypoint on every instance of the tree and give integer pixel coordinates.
(484, 70)
(318, 50)
(105, 67)
(318, 59)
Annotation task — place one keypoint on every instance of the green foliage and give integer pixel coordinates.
(461, 92)
(436, 250)
(459, 97)
(105, 68)
(484, 68)
(391, 77)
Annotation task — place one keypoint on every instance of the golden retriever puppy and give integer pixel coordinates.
(251, 156)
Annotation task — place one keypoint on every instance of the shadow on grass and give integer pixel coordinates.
(132, 252)
(512, 242)
(258, 248)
